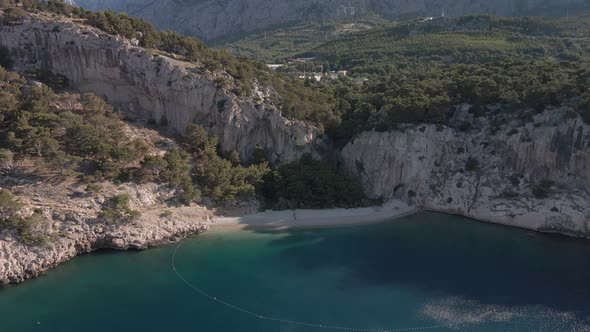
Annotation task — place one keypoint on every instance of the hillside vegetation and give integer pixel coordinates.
(419, 70)
(465, 40)
(71, 136)
(289, 94)
(276, 45)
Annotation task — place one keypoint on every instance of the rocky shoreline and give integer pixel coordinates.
(19, 262)
(73, 225)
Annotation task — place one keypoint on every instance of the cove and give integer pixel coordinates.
(431, 271)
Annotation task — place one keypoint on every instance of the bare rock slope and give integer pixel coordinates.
(531, 174)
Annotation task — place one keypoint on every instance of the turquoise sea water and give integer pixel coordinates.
(426, 270)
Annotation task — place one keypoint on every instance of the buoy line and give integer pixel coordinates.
(295, 322)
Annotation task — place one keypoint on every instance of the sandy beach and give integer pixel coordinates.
(316, 218)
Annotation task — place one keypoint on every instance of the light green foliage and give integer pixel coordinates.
(6, 159)
(9, 205)
(31, 229)
(117, 210)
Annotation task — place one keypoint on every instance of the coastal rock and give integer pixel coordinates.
(154, 87)
(531, 174)
(72, 229)
(19, 262)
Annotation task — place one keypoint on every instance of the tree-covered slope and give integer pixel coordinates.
(469, 39)
(275, 45)
(419, 70)
(215, 19)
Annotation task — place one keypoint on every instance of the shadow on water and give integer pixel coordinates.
(456, 256)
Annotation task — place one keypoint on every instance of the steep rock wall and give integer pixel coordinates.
(157, 87)
(211, 19)
(488, 173)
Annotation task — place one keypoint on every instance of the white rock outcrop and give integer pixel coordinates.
(488, 173)
(154, 87)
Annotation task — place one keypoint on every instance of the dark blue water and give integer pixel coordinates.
(431, 271)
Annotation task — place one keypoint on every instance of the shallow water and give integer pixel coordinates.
(432, 271)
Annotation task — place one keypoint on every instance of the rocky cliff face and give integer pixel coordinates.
(73, 228)
(154, 86)
(211, 19)
(532, 174)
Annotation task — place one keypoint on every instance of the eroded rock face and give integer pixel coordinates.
(156, 87)
(212, 19)
(19, 262)
(493, 174)
(73, 225)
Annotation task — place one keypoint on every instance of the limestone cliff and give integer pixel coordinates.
(531, 174)
(212, 19)
(153, 86)
(73, 227)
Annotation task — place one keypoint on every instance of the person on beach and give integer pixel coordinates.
(295, 215)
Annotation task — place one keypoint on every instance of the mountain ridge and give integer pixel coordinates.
(214, 19)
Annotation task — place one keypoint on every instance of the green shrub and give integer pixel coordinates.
(93, 188)
(543, 189)
(471, 165)
(117, 210)
(310, 183)
(9, 205)
(5, 60)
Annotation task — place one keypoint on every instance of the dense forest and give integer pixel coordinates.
(71, 136)
(418, 71)
(280, 43)
(465, 40)
(429, 93)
